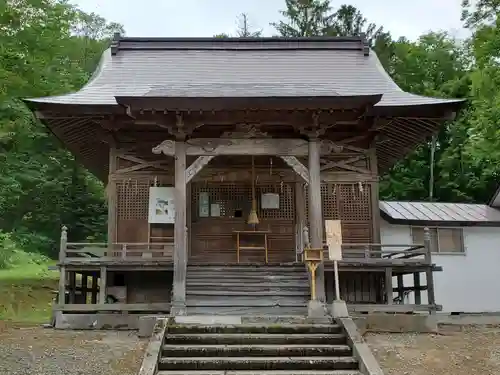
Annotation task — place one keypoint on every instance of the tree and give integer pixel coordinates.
(43, 53)
(244, 28)
(305, 18)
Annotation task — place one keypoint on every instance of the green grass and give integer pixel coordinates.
(26, 293)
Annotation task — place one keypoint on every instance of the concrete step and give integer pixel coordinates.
(260, 372)
(255, 350)
(255, 339)
(252, 293)
(254, 328)
(258, 363)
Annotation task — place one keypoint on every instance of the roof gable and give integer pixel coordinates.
(240, 67)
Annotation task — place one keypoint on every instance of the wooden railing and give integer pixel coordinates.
(381, 251)
(91, 251)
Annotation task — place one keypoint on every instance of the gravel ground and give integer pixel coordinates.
(469, 351)
(28, 350)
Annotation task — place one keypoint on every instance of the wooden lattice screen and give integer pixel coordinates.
(132, 200)
(350, 203)
(232, 197)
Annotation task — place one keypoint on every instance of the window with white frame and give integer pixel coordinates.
(443, 240)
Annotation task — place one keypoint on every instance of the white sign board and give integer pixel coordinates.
(270, 201)
(333, 229)
(161, 205)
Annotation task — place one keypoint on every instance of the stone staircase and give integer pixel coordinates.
(289, 349)
(247, 290)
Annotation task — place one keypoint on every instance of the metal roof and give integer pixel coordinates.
(234, 67)
(430, 212)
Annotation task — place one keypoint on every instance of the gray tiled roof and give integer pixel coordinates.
(440, 212)
(208, 68)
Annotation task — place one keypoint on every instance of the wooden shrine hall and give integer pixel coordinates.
(223, 159)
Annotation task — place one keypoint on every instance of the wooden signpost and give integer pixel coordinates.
(334, 242)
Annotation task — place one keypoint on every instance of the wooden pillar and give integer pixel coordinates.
(374, 198)
(315, 212)
(180, 250)
(62, 268)
(388, 285)
(401, 288)
(300, 218)
(102, 285)
(72, 286)
(85, 281)
(429, 274)
(112, 198)
(416, 290)
(95, 288)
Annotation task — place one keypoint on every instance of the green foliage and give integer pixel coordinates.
(47, 47)
(467, 150)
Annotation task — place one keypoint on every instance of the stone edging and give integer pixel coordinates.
(368, 365)
(152, 353)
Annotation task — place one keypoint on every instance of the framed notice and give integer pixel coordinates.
(161, 205)
(270, 201)
(215, 210)
(204, 204)
(333, 229)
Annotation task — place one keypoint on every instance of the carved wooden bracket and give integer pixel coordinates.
(260, 146)
(297, 166)
(181, 130)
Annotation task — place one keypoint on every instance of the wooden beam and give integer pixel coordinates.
(113, 307)
(197, 166)
(346, 164)
(240, 146)
(297, 166)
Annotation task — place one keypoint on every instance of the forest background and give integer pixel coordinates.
(50, 47)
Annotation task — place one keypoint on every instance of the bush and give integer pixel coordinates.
(11, 254)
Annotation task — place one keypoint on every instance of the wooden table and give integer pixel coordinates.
(239, 233)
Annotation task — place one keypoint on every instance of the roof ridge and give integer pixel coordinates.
(356, 43)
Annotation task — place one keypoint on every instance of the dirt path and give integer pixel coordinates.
(28, 350)
(474, 350)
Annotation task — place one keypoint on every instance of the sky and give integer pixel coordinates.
(191, 18)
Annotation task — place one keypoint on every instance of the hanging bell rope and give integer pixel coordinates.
(253, 219)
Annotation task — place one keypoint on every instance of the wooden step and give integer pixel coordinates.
(250, 293)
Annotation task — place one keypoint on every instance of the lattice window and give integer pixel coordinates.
(329, 196)
(354, 202)
(344, 202)
(132, 199)
(232, 197)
